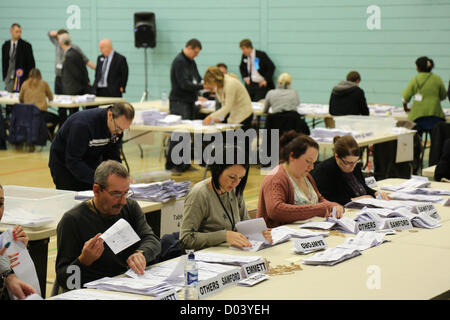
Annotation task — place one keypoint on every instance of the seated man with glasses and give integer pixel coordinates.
(85, 140)
(82, 255)
(339, 178)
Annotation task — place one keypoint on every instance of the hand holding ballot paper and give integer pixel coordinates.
(256, 233)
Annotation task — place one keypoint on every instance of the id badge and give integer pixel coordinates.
(59, 66)
(418, 97)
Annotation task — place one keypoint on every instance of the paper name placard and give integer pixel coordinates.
(366, 226)
(253, 279)
(399, 224)
(428, 209)
(371, 182)
(209, 287)
(254, 267)
(310, 244)
(231, 277)
(169, 295)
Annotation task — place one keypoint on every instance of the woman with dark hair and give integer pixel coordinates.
(339, 178)
(428, 91)
(289, 193)
(214, 206)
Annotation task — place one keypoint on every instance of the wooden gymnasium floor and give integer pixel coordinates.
(31, 169)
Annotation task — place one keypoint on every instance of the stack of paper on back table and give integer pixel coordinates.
(400, 195)
(25, 218)
(414, 182)
(331, 256)
(377, 203)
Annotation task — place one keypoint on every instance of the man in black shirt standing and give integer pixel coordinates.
(186, 82)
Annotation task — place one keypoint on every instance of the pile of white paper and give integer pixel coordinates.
(327, 135)
(313, 108)
(155, 192)
(331, 256)
(25, 218)
(150, 287)
(363, 240)
(85, 98)
(344, 224)
(377, 203)
(230, 259)
(414, 197)
(83, 294)
(381, 217)
(413, 182)
(159, 118)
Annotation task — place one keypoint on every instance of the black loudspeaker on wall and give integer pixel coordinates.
(144, 30)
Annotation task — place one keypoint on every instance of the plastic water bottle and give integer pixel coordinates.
(190, 278)
(164, 98)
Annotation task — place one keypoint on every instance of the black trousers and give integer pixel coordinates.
(64, 180)
(256, 92)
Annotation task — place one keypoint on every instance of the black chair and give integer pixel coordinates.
(283, 122)
(27, 125)
(439, 134)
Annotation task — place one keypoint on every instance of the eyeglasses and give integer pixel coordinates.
(350, 163)
(117, 129)
(117, 195)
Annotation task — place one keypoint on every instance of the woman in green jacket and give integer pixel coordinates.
(428, 91)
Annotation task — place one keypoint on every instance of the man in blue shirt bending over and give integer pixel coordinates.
(85, 140)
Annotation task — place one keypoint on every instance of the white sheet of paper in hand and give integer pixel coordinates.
(252, 229)
(120, 236)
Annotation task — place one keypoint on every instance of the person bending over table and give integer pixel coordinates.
(78, 233)
(289, 193)
(232, 95)
(214, 206)
(340, 178)
(85, 140)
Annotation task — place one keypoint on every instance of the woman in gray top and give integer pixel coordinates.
(214, 206)
(283, 98)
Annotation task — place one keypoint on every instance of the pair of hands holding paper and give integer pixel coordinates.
(93, 250)
(239, 240)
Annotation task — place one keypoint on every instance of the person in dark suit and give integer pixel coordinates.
(17, 59)
(74, 76)
(111, 74)
(347, 98)
(442, 170)
(257, 70)
(339, 178)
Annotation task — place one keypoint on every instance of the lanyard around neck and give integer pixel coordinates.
(231, 207)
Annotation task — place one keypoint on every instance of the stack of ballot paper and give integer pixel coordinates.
(313, 108)
(414, 182)
(402, 195)
(382, 216)
(172, 272)
(327, 135)
(85, 98)
(378, 203)
(331, 256)
(83, 294)
(222, 258)
(344, 224)
(363, 240)
(209, 104)
(25, 218)
(155, 192)
(150, 287)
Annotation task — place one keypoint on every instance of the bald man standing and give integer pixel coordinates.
(111, 74)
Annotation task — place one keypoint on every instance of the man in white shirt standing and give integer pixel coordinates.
(256, 70)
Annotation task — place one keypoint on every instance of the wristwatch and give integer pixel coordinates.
(5, 275)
